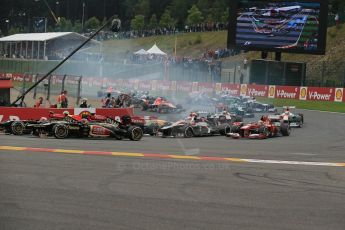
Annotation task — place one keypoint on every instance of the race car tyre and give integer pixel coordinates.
(302, 117)
(153, 129)
(264, 131)
(36, 132)
(188, 132)
(225, 130)
(238, 119)
(60, 131)
(285, 130)
(235, 129)
(17, 128)
(145, 107)
(135, 133)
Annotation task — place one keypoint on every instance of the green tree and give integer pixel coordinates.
(128, 8)
(14, 30)
(166, 20)
(179, 8)
(65, 25)
(203, 6)
(138, 23)
(225, 16)
(217, 9)
(337, 5)
(77, 26)
(153, 24)
(143, 8)
(194, 16)
(92, 23)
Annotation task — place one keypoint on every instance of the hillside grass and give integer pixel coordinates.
(310, 105)
(188, 44)
(195, 44)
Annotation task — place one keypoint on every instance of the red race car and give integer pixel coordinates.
(267, 126)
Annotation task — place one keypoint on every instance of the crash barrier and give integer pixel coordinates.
(13, 113)
(267, 91)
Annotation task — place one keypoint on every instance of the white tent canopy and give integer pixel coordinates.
(155, 50)
(141, 52)
(40, 45)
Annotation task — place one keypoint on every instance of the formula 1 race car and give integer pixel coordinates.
(17, 127)
(268, 126)
(23, 127)
(236, 112)
(161, 106)
(295, 119)
(264, 108)
(74, 126)
(195, 128)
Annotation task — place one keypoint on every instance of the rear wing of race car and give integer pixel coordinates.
(289, 107)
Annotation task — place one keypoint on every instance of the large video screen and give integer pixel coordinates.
(281, 26)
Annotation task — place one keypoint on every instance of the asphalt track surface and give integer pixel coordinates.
(46, 190)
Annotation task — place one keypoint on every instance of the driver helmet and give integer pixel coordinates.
(193, 114)
(264, 118)
(126, 119)
(66, 113)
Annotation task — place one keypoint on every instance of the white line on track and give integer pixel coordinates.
(305, 163)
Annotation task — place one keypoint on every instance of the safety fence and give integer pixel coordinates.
(178, 87)
(319, 73)
(79, 68)
(52, 85)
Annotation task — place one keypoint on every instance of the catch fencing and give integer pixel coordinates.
(318, 74)
(326, 74)
(77, 68)
(52, 85)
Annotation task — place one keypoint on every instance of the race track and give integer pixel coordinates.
(55, 190)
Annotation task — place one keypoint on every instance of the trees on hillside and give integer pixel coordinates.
(138, 23)
(194, 16)
(153, 24)
(166, 20)
(157, 13)
(92, 23)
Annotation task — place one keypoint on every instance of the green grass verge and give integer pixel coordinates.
(312, 105)
(187, 44)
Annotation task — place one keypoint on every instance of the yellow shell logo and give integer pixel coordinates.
(339, 94)
(303, 92)
(271, 91)
(244, 89)
(218, 87)
(85, 114)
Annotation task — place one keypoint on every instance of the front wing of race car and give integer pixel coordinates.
(251, 136)
(295, 124)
